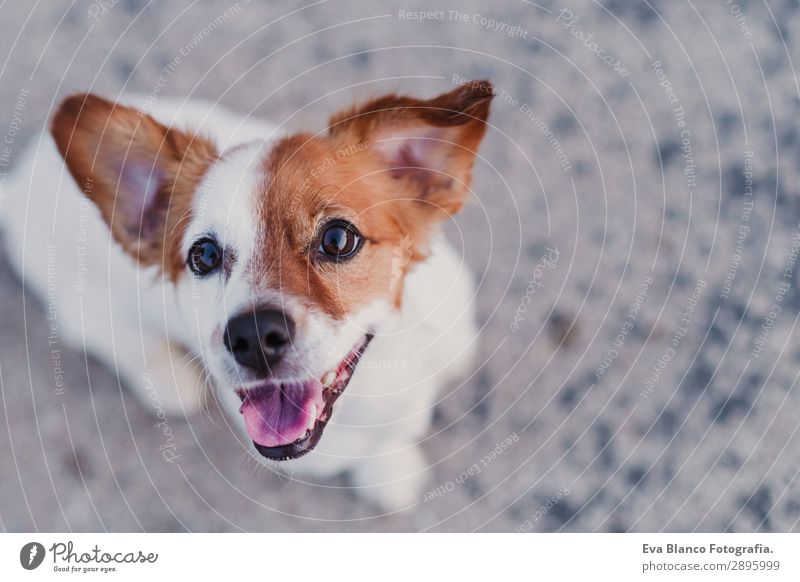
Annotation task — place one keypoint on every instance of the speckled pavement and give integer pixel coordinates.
(634, 235)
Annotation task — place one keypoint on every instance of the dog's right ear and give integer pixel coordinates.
(428, 145)
(140, 174)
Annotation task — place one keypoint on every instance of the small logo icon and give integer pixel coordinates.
(31, 555)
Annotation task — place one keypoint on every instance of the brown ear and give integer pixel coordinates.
(140, 174)
(430, 145)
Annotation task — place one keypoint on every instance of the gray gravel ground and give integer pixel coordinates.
(693, 423)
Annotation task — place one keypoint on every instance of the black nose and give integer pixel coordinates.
(257, 340)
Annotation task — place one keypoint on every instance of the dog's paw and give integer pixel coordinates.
(393, 481)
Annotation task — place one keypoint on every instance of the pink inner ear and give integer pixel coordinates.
(411, 153)
(138, 185)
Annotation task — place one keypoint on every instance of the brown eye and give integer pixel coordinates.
(340, 240)
(205, 256)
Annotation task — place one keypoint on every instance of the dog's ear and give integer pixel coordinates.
(140, 174)
(430, 145)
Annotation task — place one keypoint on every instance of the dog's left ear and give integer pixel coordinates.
(430, 145)
(141, 174)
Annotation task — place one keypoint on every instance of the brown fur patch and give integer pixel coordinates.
(310, 180)
(100, 140)
(452, 124)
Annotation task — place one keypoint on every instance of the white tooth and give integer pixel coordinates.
(329, 378)
(312, 417)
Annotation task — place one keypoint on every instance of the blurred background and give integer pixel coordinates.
(635, 225)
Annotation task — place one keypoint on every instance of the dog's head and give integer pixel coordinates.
(286, 255)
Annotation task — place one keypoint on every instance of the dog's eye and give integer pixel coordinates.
(204, 256)
(340, 240)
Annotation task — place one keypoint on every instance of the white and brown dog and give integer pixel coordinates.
(295, 266)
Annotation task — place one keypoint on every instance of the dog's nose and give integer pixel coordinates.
(258, 340)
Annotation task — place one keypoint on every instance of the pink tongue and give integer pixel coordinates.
(279, 415)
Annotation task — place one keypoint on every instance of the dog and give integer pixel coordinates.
(307, 272)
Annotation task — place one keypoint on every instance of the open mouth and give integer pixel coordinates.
(286, 419)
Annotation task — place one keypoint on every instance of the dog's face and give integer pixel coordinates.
(287, 256)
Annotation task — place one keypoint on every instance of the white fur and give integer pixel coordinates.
(147, 329)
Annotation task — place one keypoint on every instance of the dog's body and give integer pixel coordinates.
(150, 325)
